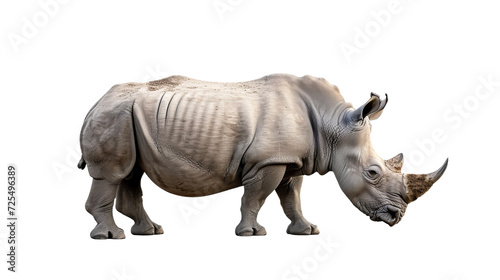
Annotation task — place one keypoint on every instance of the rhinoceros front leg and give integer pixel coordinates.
(100, 205)
(129, 203)
(257, 189)
(289, 194)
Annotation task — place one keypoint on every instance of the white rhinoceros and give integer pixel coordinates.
(196, 138)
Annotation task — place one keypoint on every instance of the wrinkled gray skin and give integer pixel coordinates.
(195, 138)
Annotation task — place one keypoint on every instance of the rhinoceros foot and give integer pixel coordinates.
(302, 228)
(242, 230)
(104, 231)
(146, 228)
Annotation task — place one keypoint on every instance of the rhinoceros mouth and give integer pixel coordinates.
(388, 214)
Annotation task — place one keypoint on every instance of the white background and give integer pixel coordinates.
(429, 56)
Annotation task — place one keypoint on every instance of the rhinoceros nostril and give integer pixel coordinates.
(393, 212)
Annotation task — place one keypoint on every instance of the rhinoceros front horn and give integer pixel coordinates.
(417, 185)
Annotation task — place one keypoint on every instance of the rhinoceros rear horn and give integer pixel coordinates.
(417, 185)
(372, 108)
(396, 163)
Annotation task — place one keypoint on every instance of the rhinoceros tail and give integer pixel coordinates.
(82, 163)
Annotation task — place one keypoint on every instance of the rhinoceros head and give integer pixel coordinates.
(375, 186)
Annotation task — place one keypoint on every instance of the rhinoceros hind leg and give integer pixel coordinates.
(257, 189)
(100, 205)
(129, 203)
(289, 194)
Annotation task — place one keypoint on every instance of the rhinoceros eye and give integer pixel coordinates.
(373, 172)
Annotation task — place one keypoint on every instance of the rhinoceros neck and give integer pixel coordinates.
(330, 132)
(326, 108)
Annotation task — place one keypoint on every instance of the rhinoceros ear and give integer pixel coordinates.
(381, 107)
(372, 108)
